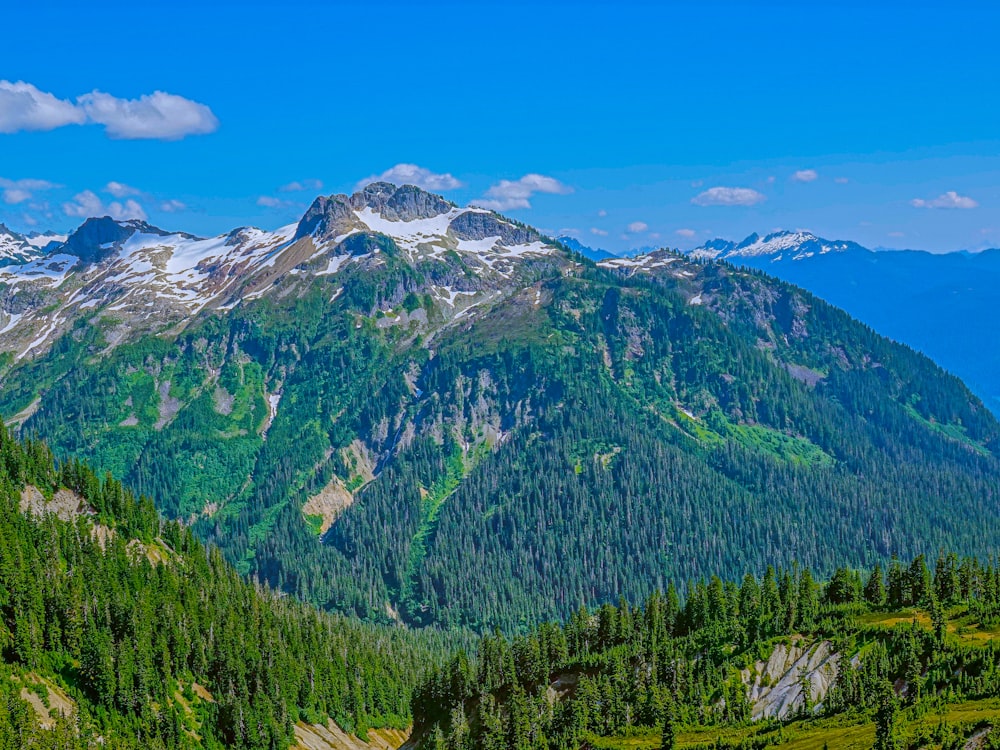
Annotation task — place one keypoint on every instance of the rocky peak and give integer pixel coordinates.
(97, 238)
(327, 217)
(373, 195)
(410, 202)
(405, 203)
(478, 225)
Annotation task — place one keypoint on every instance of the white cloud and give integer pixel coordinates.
(728, 196)
(508, 194)
(24, 107)
(299, 185)
(688, 233)
(87, 204)
(951, 199)
(15, 195)
(269, 201)
(841, 180)
(637, 226)
(602, 213)
(897, 234)
(598, 232)
(172, 206)
(411, 174)
(805, 175)
(158, 115)
(121, 190)
(19, 191)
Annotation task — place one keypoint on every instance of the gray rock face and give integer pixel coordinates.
(326, 218)
(410, 202)
(96, 239)
(775, 687)
(476, 225)
(374, 196)
(404, 203)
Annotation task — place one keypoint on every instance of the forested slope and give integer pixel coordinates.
(907, 657)
(413, 428)
(127, 632)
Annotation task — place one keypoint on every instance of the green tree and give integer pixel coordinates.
(668, 733)
(886, 712)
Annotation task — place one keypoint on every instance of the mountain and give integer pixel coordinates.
(775, 247)
(940, 304)
(410, 411)
(120, 630)
(18, 248)
(587, 252)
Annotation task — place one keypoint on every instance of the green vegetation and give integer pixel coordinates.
(578, 436)
(679, 673)
(152, 640)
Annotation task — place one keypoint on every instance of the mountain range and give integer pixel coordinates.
(412, 411)
(940, 304)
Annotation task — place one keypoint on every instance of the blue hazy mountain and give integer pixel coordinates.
(943, 305)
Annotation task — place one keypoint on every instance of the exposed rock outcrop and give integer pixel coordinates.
(775, 687)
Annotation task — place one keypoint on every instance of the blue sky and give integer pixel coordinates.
(631, 124)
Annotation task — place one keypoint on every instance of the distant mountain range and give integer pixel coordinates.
(941, 304)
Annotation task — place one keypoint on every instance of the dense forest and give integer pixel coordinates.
(157, 642)
(574, 434)
(910, 645)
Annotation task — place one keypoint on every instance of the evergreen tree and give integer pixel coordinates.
(886, 718)
(875, 588)
(668, 734)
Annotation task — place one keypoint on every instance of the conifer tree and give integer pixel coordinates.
(885, 718)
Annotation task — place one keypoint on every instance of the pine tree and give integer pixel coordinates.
(668, 735)
(885, 718)
(875, 588)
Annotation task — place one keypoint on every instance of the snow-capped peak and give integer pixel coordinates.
(16, 248)
(782, 245)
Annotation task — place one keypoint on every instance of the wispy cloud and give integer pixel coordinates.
(299, 186)
(121, 190)
(411, 174)
(157, 116)
(841, 180)
(805, 175)
(172, 206)
(636, 227)
(686, 233)
(509, 194)
(598, 232)
(88, 203)
(19, 191)
(951, 199)
(269, 201)
(728, 196)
